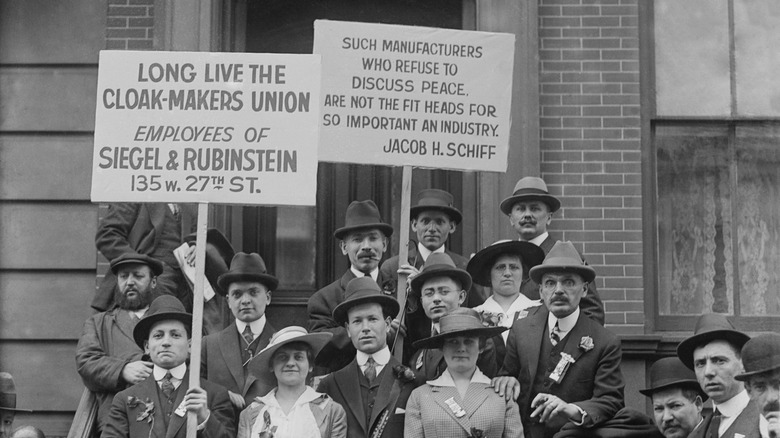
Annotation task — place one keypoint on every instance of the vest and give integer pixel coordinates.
(549, 356)
(368, 392)
(167, 403)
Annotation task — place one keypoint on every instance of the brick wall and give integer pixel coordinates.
(590, 147)
(130, 24)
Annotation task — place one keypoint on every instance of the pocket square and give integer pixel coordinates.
(400, 411)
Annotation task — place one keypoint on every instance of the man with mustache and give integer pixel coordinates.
(714, 354)
(567, 365)
(677, 398)
(530, 210)
(761, 358)
(107, 357)
(363, 239)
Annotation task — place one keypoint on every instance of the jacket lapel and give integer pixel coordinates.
(433, 357)
(148, 388)
(532, 343)
(475, 396)
(383, 394)
(176, 421)
(440, 394)
(547, 244)
(348, 383)
(580, 330)
(229, 346)
(262, 342)
(124, 323)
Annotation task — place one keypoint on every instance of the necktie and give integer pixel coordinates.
(248, 335)
(167, 385)
(555, 335)
(370, 371)
(715, 424)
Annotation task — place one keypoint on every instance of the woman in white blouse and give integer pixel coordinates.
(293, 409)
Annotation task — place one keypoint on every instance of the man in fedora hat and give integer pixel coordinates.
(363, 239)
(441, 288)
(713, 353)
(530, 210)
(227, 356)
(158, 405)
(373, 387)
(676, 396)
(107, 357)
(761, 358)
(153, 229)
(8, 407)
(567, 365)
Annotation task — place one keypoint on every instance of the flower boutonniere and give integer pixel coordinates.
(403, 373)
(586, 343)
(476, 433)
(490, 319)
(148, 405)
(268, 430)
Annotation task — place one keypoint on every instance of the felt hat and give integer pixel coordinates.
(530, 188)
(291, 334)
(219, 253)
(133, 258)
(670, 372)
(163, 308)
(362, 215)
(760, 355)
(710, 327)
(563, 257)
(363, 290)
(8, 394)
(435, 199)
(440, 265)
(482, 262)
(460, 322)
(247, 267)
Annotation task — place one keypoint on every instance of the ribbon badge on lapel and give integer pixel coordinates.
(561, 368)
(455, 407)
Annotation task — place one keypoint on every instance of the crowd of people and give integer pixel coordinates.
(506, 343)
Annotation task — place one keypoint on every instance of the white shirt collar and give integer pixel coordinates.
(381, 357)
(763, 426)
(538, 239)
(446, 379)
(177, 372)
(565, 324)
(733, 406)
(309, 395)
(522, 302)
(256, 326)
(425, 252)
(374, 274)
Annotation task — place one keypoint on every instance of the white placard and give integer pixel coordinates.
(238, 128)
(406, 95)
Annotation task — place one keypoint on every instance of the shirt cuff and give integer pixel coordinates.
(202, 426)
(584, 416)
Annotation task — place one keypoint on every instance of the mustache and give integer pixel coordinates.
(772, 407)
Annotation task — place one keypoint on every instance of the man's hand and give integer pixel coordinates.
(136, 372)
(395, 326)
(237, 400)
(548, 406)
(196, 400)
(190, 257)
(506, 386)
(408, 270)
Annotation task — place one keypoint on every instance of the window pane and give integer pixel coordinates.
(758, 216)
(692, 58)
(694, 220)
(296, 245)
(757, 38)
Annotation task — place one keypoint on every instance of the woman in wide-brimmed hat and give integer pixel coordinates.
(461, 403)
(292, 409)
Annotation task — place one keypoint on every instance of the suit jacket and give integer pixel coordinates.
(123, 419)
(429, 416)
(330, 416)
(745, 424)
(339, 351)
(591, 303)
(594, 382)
(132, 227)
(106, 345)
(221, 363)
(343, 386)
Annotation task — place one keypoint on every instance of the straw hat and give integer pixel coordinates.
(291, 334)
(460, 322)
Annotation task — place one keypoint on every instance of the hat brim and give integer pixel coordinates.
(747, 375)
(341, 311)
(155, 265)
(381, 226)
(482, 262)
(687, 346)
(141, 330)
(461, 276)
(587, 273)
(269, 281)
(314, 340)
(454, 214)
(681, 383)
(551, 201)
(437, 341)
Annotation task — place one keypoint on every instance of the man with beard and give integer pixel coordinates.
(761, 358)
(107, 357)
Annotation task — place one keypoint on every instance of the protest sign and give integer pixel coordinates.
(406, 95)
(237, 128)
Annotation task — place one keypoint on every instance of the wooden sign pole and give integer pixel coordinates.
(403, 253)
(197, 309)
